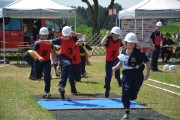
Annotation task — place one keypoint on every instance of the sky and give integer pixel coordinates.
(104, 3)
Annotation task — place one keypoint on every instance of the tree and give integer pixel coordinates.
(97, 21)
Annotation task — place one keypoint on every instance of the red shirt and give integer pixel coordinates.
(76, 57)
(112, 49)
(67, 47)
(44, 51)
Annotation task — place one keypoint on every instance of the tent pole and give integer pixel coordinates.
(75, 23)
(116, 22)
(135, 26)
(4, 45)
(142, 31)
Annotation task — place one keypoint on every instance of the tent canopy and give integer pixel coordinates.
(37, 9)
(152, 9)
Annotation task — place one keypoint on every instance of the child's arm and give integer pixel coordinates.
(44, 41)
(92, 51)
(103, 41)
(119, 65)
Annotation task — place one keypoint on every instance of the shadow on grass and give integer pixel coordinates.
(21, 65)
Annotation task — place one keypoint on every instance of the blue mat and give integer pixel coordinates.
(75, 104)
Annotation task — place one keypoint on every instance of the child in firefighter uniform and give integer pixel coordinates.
(75, 75)
(112, 43)
(42, 62)
(132, 60)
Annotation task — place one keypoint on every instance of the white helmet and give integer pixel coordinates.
(116, 30)
(159, 24)
(43, 31)
(131, 37)
(66, 31)
(172, 67)
(166, 67)
(82, 38)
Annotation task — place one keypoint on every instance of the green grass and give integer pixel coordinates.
(17, 102)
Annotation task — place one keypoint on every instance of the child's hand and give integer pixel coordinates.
(41, 59)
(108, 33)
(37, 42)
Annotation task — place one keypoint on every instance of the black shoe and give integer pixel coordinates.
(74, 93)
(32, 78)
(107, 93)
(62, 92)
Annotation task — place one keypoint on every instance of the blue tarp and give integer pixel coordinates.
(58, 104)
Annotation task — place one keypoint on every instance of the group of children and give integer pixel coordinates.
(71, 55)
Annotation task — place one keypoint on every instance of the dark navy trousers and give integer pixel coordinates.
(66, 70)
(131, 83)
(44, 67)
(154, 59)
(108, 77)
(75, 75)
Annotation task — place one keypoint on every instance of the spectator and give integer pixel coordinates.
(155, 41)
(167, 47)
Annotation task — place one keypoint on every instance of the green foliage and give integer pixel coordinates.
(170, 29)
(171, 26)
(84, 29)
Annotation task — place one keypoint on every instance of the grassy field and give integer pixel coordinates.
(17, 102)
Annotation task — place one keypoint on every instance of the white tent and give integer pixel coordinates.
(35, 9)
(152, 9)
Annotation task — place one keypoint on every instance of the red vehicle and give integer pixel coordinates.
(18, 30)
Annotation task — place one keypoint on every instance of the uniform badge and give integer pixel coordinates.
(133, 60)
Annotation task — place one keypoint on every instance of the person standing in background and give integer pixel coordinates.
(155, 41)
